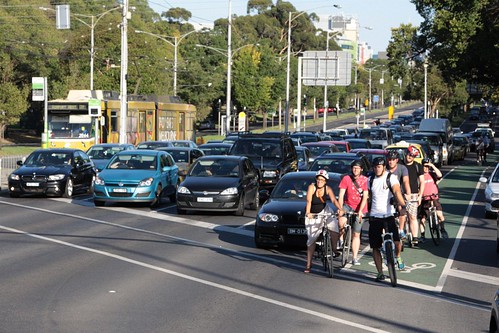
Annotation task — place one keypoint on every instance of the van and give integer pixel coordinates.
(443, 127)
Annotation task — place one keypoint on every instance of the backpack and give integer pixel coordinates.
(388, 184)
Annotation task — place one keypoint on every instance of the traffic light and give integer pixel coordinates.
(305, 100)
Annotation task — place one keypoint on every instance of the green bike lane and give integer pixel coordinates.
(426, 266)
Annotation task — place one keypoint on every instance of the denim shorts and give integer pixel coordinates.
(357, 226)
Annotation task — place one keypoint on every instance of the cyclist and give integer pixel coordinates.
(352, 197)
(416, 181)
(402, 174)
(432, 176)
(382, 192)
(317, 194)
(480, 150)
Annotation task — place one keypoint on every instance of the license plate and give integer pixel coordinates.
(297, 231)
(203, 199)
(33, 184)
(119, 190)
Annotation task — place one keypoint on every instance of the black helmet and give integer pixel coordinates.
(392, 154)
(426, 160)
(379, 161)
(356, 163)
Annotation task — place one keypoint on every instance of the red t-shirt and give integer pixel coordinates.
(353, 195)
(430, 186)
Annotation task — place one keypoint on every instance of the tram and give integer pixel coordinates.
(71, 123)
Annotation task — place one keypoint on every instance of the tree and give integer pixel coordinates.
(12, 104)
(177, 14)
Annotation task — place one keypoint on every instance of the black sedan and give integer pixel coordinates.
(53, 172)
(219, 183)
(281, 219)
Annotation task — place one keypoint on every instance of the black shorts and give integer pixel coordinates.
(376, 229)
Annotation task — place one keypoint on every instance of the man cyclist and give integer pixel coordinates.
(403, 176)
(383, 191)
(432, 176)
(416, 181)
(352, 197)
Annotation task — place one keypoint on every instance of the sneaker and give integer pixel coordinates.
(380, 277)
(402, 234)
(401, 264)
(422, 239)
(355, 262)
(415, 241)
(444, 233)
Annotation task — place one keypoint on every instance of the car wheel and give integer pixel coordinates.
(68, 191)
(91, 187)
(157, 197)
(256, 202)
(99, 203)
(240, 207)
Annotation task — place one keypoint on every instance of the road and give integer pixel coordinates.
(67, 266)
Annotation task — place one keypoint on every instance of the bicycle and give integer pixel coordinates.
(480, 156)
(430, 212)
(388, 253)
(347, 237)
(324, 247)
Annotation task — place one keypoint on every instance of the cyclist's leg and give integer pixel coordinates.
(375, 242)
(313, 227)
(441, 219)
(402, 222)
(412, 211)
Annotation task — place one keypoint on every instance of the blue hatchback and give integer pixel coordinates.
(137, 176)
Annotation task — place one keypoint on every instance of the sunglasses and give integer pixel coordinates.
(411, 155)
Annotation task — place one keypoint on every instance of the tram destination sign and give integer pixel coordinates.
(332, 68)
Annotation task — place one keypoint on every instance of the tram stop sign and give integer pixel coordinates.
(94, 107)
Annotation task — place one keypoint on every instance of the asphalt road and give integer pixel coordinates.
(67, 266)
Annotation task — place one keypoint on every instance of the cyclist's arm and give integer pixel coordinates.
(406, 185)
(341, 197)
(332, 197)
(363, 203)
(310, 193)
(398, 194)
(421, 188)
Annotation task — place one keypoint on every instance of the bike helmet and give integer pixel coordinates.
(379, 161)
(392, 154)
(356, 163)
(322, 173)
(413, 151)
(426, 160)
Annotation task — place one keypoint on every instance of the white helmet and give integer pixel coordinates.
(322, 173)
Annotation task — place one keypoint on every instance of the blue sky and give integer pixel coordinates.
(381, 15)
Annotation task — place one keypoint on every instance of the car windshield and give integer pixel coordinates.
(301, 155)
(292, 188)
(495, 178)
(268, 149)
(103, 153)
(318, 150)
(180, 156)
(432, 140)
(46, 158)
(337, 165)
(132, 161)
(215, 150)
(215, 168)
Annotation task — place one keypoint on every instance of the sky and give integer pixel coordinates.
(380, 15)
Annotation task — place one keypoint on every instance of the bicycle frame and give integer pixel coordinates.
(324, 247)
(388, 253)
(347, 237)
(431, 217)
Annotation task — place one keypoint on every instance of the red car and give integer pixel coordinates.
(329, 110)
(343, 146)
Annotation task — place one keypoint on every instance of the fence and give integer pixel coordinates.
(7, 165)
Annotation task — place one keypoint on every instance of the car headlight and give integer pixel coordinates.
(146, 181)
(59, 176)
(230, 190)
(13, 176)
(99, 181)
(268, 217)
(183, 190)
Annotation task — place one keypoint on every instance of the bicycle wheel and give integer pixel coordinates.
(328, 254)
(434, 228)
(390, 263)
(347, 245)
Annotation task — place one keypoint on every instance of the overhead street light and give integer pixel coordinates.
(425, 65)
(176, 41)
(94, 19)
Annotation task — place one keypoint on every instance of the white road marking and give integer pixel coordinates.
(202, 281)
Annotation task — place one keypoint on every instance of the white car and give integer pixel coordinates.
(491, 191)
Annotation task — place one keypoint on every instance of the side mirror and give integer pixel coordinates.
(19, 163)
(264, 195)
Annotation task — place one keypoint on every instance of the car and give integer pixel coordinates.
(495, 204)
(426, 147)
(491, 191)
(143, 176)
(184, 143)
(215, 148)
(342, 145)
(206, 125)
(494, 314)
(338, 132)
(220, 183)
(329, 110)
(436, 144)
(184, 157)
(321, 147)
(306, 136)
(102, 153)
(480, 134)
(466, 140)
(154, 144)
(370, 153)
(53, 172)
(304, 158)
(402, 148)
(460, 147)
(281, 219)
(379, 137)
(273, 154)
(358, 143)
(340, 162)
(490, 134)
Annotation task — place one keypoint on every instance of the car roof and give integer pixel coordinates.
(215, 144)
(318, 143)
(369, 150)
(307, 174)
(58, 150)
(141, 152)
(176, 148)
(221, 157)
(338, 155)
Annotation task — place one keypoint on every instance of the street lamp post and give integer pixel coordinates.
(370, 85)
(176, 41)
(382, 82)
(425, 65)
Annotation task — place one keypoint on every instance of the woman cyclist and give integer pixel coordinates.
(317, 194)
(432, 176)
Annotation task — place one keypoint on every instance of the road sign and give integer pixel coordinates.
(332, 68)
(376, 98)
(94, 107)
(38, 88)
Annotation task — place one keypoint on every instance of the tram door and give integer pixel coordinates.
(181, 126)
(142, 127)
